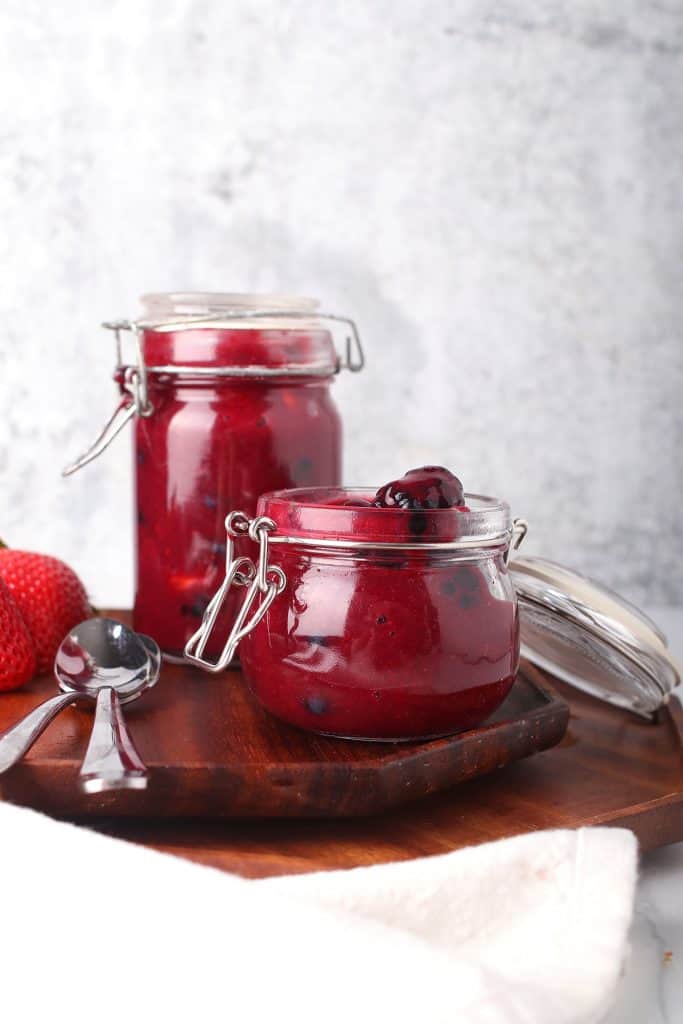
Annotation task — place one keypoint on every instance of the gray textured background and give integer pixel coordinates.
(494, 191)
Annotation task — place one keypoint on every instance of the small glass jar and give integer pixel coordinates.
(231, 398)
(373, 623)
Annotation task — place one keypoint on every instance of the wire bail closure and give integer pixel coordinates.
(135, 402)
(353, 359)
(262, 580)
(520, 528)
(136, 376)
(269, 581)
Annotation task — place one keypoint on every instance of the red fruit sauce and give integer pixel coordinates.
(427, 487)
(373, 642)
(214, 443)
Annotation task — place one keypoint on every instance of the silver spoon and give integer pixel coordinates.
(108, 661)
(98, 656)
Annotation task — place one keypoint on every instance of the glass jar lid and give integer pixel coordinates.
(244, 335)
(200, 334)
(172, 311)
(592, 638)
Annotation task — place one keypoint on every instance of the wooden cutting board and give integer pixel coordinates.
(611, 768)
(213, 752)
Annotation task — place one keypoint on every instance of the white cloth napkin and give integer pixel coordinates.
(530, 930)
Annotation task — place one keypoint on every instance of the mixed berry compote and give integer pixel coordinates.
(239, 408)
(398, 619)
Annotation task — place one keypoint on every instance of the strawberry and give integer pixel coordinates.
(50, 597)
(17, 653)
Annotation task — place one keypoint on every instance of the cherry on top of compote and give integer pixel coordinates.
(425, 488)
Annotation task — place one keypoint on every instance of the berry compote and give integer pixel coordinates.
(239, 408)
(427, 487)
(398, 620)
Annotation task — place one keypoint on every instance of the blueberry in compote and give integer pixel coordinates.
(316, 705)
(424, 488)
(197, 608)
(466, 584)
(418, 524)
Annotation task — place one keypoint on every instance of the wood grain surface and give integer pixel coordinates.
(611, 768)
(213, 752)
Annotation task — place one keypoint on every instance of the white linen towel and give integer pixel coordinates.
(529, 930)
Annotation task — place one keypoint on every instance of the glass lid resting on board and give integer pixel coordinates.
(590, 637)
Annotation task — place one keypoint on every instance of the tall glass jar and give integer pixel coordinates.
(231, 398)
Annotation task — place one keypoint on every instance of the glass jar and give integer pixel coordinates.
(373, 623)
(231, 398)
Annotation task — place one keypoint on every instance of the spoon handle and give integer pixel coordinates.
(111, 760)
(20, 737)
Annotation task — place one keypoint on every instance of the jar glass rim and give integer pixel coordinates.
(302, 334)
(237, 334)
(172, 305)
(318, 512)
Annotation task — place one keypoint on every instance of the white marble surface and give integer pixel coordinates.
(491, 188)
(651, 990)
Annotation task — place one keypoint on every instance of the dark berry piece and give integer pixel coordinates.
(381, 619)
(418, 523)
(424, 488)
(465, 585)
(197, 608)
(218, 550)
(316, 705)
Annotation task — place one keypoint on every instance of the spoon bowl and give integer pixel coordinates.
(102, 663)
(103, 659)
(101, 653)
